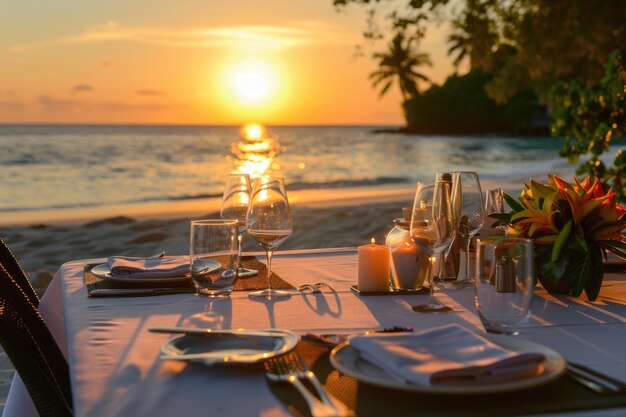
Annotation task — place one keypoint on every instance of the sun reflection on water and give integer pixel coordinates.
(255, 152)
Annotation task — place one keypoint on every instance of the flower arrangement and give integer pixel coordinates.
(573, 225)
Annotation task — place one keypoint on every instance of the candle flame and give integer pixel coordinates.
(373, 241)
(408, 245)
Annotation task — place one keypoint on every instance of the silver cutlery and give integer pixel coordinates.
(291, 368)
(334, 339)
(195, 330)
(594, 380)
(111, 292)
(315, 288)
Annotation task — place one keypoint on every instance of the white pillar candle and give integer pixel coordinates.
(373, 269)
(410, 266)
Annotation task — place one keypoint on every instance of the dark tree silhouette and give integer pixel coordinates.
(400, 62)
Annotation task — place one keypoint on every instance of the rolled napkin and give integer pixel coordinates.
(447, 355)
(165, 267)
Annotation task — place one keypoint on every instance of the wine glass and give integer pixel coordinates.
(432, 230)
(494, 203)
(445, 264)
(469, 212)
(269, 223)
(235, 204)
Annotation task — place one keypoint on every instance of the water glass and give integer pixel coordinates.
(213, 256)
(469, 210)
(494, 203)
(504, 283)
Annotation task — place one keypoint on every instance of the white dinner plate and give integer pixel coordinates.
(230, 346)
(103, 271)
(347, 359)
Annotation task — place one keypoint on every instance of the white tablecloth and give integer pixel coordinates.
(116, 371)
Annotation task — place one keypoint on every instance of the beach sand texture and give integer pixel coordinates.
(322, 219)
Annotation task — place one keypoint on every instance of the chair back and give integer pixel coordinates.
(10, 263)
(33, 351)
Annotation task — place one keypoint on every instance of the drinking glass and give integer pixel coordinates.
(235, 202)
(213, 256)
(494, 203)
(469, 212)
(504, 290)
(445, 272)
(269, 223)
(432, 230)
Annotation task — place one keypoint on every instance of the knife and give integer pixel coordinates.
(138, 291)
(233, 332)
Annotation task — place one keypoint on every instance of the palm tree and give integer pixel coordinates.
(400, 62)
(473, 36)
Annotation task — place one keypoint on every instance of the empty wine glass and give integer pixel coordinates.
(445, 272)
(269, 223)
(235, 202)
(494, 203)
(432, 230)
(469, 213)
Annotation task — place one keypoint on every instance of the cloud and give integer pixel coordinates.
(12, 105)
(51, 104)
(82, 88)
(124, 106)
(107, 64)
(257, 37)
(150, 93)
(7, 93)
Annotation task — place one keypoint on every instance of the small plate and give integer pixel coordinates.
(230, 347)
(347, 359)
(103, 271)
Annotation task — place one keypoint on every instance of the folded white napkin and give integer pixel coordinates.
(447, 355)
(164, 267)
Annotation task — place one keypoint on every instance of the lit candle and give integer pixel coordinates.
(373, 270)
(409, 266)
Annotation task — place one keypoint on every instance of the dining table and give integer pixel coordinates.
(116, 369)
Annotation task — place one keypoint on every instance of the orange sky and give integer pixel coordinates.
(193, 61)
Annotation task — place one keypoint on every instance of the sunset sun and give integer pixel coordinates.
(253, 81)
(252, 86)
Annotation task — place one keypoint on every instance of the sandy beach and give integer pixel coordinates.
(323, 218)
(43, 241)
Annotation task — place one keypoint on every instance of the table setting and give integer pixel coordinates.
(378, 329)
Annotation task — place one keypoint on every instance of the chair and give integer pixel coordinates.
(9, 262)
(33, 351)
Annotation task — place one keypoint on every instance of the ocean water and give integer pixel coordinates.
(44, 167)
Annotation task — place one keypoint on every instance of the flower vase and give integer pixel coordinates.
(573, 276)
(559, 288)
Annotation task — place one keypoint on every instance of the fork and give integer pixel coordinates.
(594, 380)
(291, 368)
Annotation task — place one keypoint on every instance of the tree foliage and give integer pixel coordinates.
(521, 43)
(401, 62)
(439, 109)
(556, 48)
(590, 118)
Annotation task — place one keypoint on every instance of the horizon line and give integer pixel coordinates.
(11, 124)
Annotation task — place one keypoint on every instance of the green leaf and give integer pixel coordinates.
(513, 203)
(561, 240)
(596, 271)
(502, 219)
(501, 216)
(618, 248)
(577, 242)
(577, 272)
